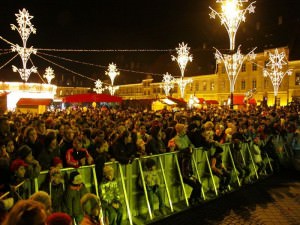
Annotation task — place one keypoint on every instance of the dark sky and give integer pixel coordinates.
(125, 24)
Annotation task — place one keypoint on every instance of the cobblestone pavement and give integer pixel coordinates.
(275, 200)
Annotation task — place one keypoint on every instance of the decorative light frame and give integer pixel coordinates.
(183, 57)
(182, 84)
(99, 87)
(168, 83)
(112, 72)
(49, 74)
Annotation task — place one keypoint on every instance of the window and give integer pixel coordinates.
(244, 67)
(254, 66)
(204, 85)
(297, 79)
(197, 86)
(253, 83)
(243, 85)
(212, 86)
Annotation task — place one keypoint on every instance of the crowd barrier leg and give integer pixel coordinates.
(252, 161)
(198, 177)
(211, 174)
(234, 168)
(166, 184)
(125, 195)
(269, 162)
(145, 189)
(181, 180)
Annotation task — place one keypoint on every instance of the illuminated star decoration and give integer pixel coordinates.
(275, 65)
(25, 29)
(49, 74)
(112, 72)
(233, 63)
(99, 87)
(183, 57)
(168, 83)
(231, 16)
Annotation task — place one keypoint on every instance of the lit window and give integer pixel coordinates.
(254, 66)
(243, 85)
(243, 67)
(253, 83)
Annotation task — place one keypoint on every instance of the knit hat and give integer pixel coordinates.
(59, 218)
(76, 178)
(15, 165)
(24, 151)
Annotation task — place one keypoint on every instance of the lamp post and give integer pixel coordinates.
(25, 28)
(112, 72)
(233, 64)
(49, 74)
(99, 87)
(274, 71)
(231, 16)
(168, 83)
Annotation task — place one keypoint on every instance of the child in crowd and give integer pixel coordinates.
(152, 181)
(33, 169)
(76, 189)
(91, 206)
(110, 197)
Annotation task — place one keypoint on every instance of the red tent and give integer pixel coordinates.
(91, 97)
(212, 102)
(239, 100)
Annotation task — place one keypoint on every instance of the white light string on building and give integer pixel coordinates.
(231, 16)
(275, 73)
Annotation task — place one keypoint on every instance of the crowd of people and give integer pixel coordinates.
(31, 143)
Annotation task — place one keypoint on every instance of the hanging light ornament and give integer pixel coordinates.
(25, 28)
(275, 65)
(112, 72)
(183, 57)
(231, 16)
(99, 87)
(182, 84)
(112, 89)
(49, 74)
(168, 83)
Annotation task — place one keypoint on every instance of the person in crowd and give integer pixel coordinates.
(33, 169)
(152, 181)
(41, 131)
(3, 152)
(110, 196)
(60, 132)
(26, 212)
(142, 133)
(155, 143)
(194, 131)
(44, 198)
(59, 218)
(78, 156)
(10, 148)
(257, 156)
(4, 176)
(74, 192)
(66, 143)
(4, 128)
(141, 148)
(49, 151)
(219, 169)
(5, 205)
(31, 140)
(86, 138)
(123, 149)
(182, 141)
(91, 207)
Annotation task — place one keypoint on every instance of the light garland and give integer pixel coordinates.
(168, 83)
(231, 16)
(105, 50)
(49, 74)
(233, 63)
(183, 57)
(38, 73)
(25, 29)
(275, 73)
(8, 61)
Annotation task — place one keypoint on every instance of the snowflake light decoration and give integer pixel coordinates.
(183, 57)
(274, 71)
(112, 72)
(231, 16)
(168, 83)
(99, 87)
(233, 63)
(25, 28)
(182, 84)
(49, 74)
(112, 89)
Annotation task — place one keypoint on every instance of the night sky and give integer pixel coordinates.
(124, 24)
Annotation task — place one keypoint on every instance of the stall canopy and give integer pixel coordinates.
(239, 100)
(91, 97)
(34, 101)
(212, 102)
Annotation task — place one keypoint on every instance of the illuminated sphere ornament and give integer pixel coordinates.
(25, 28)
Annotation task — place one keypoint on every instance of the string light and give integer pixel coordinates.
(25, 28)
(231, 16)
(168, 83)
(38, 73)
(8, 61)
(183, 57)
(105, 50)
(49, 74)
(275, 65)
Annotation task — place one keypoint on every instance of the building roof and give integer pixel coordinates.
(34, 101)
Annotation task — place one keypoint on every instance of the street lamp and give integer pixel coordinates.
(275, 65)
(112, 72)
(233, 64)
(168, 83)
(231, 16)
(25, 28)
(99, 87)
(183, 57)
(49, 74)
